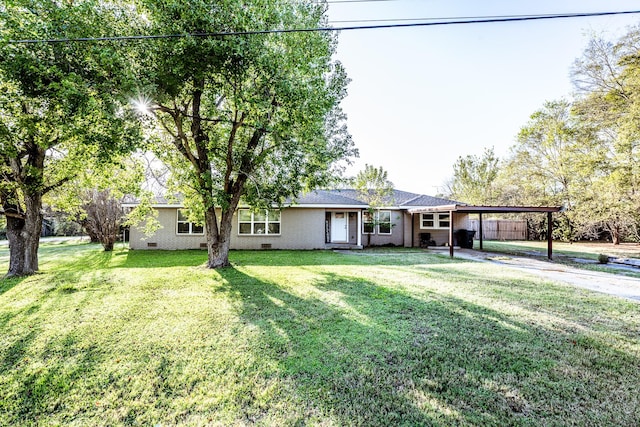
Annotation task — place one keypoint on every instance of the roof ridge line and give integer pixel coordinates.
(355, 199)
(411, 200)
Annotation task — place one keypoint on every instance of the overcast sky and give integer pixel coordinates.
(421, 97)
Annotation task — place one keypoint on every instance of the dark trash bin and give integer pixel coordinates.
(426, 241)
(465, 238)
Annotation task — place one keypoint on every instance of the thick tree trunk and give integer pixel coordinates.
(218, 238)
(615, 236)
(86, 226)
(23, 233)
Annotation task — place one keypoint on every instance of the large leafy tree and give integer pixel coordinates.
(607, 78)
(251, 117)
(56, 110)
(544, 154)
(373, 185)
(554, 158)
(474, 178)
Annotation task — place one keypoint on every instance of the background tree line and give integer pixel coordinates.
(582, 153)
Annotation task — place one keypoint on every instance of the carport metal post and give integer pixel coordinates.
(549, 236)
(480, 226)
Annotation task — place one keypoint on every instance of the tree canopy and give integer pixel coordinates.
(252, 118)
(473, 178)
(57, 111)
(373, 185)
(583, 154)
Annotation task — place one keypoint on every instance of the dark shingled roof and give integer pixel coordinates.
(342, 197)
(424, 200)
(329, 197)
(352, 197)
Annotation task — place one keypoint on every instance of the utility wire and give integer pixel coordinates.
(457, 18)
(444, 21)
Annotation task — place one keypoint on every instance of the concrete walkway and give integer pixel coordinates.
(608, 283)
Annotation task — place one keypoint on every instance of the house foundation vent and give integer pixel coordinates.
(203, 246)
(152, 245)
(266, 246)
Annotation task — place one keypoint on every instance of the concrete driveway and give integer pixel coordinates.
(608, 283)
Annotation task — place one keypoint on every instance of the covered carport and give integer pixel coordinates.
(480, 210)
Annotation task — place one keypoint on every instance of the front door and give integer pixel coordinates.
(339, 227)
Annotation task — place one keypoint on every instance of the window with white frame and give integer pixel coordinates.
(376, 222)
(368, 224)
(435, 220)
(186, 227)
(384, 222)
(258, 223)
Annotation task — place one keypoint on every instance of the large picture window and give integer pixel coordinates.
(379, 222)
(185, 227)
(368, 224)
(258, 223)
(384, 222)
(435, 220)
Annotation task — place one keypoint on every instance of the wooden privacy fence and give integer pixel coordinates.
(500, 229)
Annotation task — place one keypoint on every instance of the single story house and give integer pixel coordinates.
(321, 219)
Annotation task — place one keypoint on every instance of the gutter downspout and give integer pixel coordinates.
(413, 230)
(359, 234)
(451, 234)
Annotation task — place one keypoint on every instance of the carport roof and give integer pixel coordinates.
(486, 209)
(469, 209)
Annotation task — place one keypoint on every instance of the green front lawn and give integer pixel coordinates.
(308, 338)
(585, 250)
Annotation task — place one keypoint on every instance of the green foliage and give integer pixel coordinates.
(59, 109)
(376, 190)
(474, 178)
(261, 109)
(374, 187)
(249, 116)
(552, 164)
(608, 79)
(583, 155)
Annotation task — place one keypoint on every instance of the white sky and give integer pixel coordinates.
(421, 97)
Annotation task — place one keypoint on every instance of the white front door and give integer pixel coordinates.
(339, 222)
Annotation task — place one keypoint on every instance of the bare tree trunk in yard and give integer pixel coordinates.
(219, 238)
(104, 214)
(615, 235)
(218, 254)
(23, 233)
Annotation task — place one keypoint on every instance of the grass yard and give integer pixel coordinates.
(570, 253)
(586, 250)
(308, 338)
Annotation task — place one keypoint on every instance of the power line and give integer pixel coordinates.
(442, 22)
(457, 18)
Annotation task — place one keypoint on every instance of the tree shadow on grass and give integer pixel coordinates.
(161, 259)
(346, 350)
(294, 258)
(364, 354)
(8, 284)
